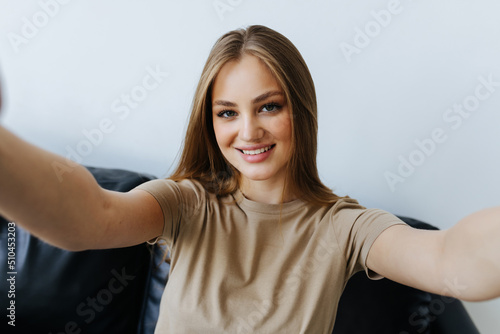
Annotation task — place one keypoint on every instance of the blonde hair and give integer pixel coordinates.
(201, 158)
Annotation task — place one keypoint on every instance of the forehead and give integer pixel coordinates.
(246, 77)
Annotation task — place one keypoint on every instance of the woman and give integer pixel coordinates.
(258, 243)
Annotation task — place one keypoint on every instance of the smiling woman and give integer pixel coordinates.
(255, 135)
(252, 77)
(258, 243)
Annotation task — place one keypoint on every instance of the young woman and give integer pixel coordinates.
(258, 243)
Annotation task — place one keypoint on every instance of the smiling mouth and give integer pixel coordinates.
(258, 151)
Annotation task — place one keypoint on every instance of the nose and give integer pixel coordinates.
(251, 129)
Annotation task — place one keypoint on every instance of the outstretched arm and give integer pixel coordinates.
(462, 261)
(70, 210)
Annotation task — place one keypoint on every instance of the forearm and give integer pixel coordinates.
(471, 256)
(54, 199)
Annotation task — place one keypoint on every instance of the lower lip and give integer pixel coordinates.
(256, 157)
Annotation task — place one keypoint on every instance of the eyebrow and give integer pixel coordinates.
(258, 99)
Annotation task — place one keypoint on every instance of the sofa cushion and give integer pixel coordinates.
(96, 291)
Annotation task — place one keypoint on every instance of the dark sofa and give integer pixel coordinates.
(119, 290)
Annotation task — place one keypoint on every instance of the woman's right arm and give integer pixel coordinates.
(69, 209)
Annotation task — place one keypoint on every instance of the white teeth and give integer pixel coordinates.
(259, 151)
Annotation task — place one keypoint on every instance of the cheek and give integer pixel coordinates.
(282, 128)
(222, 135)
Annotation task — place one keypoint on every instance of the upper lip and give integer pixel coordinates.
(253, 147)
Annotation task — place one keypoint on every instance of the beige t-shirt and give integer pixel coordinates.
(237, 268)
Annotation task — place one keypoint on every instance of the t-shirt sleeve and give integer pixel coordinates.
(356, 229)
(178, 200)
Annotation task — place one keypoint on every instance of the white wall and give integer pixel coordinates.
(395, 88)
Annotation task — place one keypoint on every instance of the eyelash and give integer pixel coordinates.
(269, 105)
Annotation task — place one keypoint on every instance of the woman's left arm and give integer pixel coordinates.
(463, 261)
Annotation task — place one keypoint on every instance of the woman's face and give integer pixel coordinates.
(251, 120)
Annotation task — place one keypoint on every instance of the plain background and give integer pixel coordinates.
(68, 68)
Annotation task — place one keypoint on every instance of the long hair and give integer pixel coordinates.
(201, 158)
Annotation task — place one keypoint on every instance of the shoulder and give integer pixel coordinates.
(347, 216)
(169, 184)
(179, 192)
(346, 203)
(345, 208)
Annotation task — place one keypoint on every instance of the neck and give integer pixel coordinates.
(265, 192)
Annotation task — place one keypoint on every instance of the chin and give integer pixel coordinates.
(256, 176)
(262, 175)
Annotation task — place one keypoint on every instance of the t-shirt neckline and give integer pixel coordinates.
(273, 209)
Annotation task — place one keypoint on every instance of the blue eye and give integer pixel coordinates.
(226, 113)
(271, 107)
